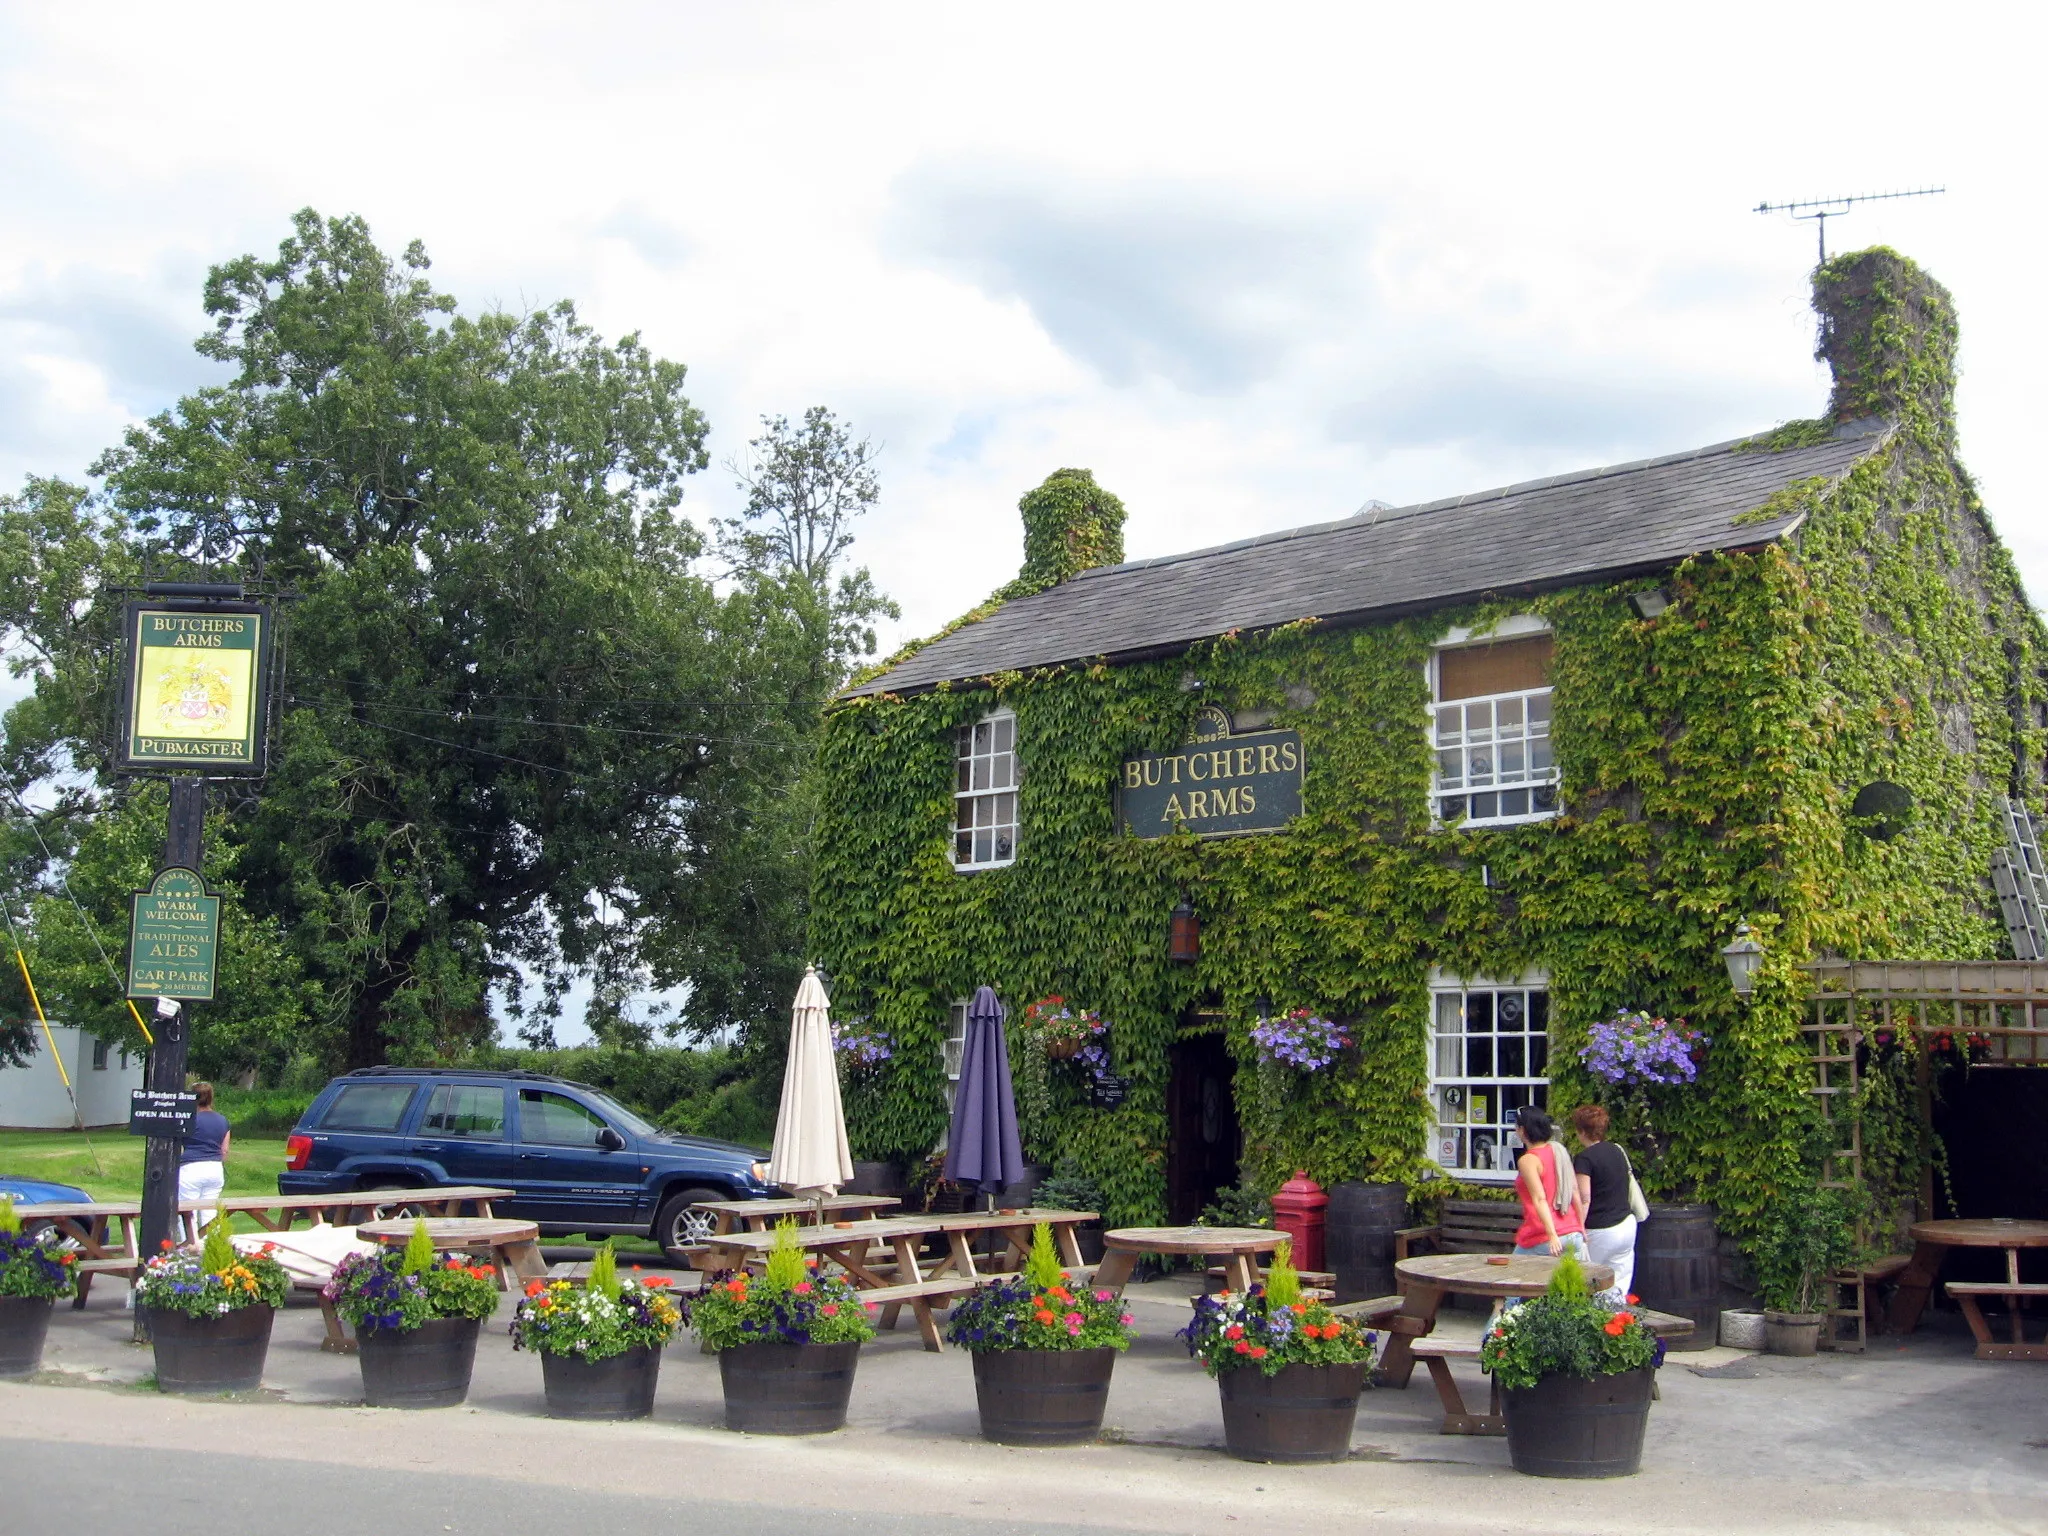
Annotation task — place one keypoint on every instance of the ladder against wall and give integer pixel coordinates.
(2021, 880)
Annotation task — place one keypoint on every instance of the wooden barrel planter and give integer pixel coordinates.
(616, 1387)
(426, 1367)
(222, 1353)
(1042, 1396)
(1358, 1237)
(1792, 1333)
(1678, 1269)
(1567, 1426)
(1299, 1413)
(787, 1389)
(24, 1325)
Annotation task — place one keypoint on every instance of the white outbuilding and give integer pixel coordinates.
(32, 1097)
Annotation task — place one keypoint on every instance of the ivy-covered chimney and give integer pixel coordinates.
(1071, 525)
(1888, 331)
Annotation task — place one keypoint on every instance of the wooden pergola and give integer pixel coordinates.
(1997, 1006)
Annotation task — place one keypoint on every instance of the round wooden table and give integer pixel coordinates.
(1931, 1242)
(1235, 1246)
(515, 1245)
(1426, 1281)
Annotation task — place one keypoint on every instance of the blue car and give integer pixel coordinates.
(39, 1192)
(576, 1159)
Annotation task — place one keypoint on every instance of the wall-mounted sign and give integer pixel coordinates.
(1219, 784)
(169, 1115)
(173, 938)
(1108, 1091)
(194, 695)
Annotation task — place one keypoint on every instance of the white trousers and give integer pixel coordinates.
(1615, 1246)
(200, 1182)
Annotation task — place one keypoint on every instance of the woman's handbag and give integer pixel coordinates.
(1638, 1206)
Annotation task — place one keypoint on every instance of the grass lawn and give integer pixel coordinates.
(108, 1163)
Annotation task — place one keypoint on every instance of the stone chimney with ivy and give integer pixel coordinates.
(1071, 525)
(1888, 331)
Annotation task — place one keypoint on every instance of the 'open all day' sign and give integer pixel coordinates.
(174, 938)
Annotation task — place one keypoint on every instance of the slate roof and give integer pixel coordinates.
(1594, 524)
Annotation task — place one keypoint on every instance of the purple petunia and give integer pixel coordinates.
(861, 1042)
(1300, 1040)
(1633, 1048)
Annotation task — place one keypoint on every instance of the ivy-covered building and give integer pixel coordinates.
(1464, 777)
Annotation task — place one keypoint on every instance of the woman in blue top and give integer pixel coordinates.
(202, 1160)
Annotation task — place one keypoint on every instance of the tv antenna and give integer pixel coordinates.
(1825, 208)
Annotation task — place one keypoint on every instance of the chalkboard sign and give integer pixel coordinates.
(1109, 1090)
(168, 1115)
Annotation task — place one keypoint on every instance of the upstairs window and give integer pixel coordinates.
(953, 1048)
(1492, 729)
(985, 793)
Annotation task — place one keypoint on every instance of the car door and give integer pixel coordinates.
(464, 1130)
(566, 1173)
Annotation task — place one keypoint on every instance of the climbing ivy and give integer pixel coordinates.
(1708, 758)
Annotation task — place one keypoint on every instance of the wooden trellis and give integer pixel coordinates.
(1998, 1007)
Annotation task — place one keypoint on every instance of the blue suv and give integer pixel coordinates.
(576, 1159)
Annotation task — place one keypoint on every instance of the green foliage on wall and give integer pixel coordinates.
(1708, 759)
(1071, 524)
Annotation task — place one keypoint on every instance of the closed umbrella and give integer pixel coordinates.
(982, 1145)
(810, 1156)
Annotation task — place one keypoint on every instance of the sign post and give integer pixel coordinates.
(195, 695)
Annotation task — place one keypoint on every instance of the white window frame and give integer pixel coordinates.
(1518, 627)
(953, 1048)
(1001, 765)
(1453, 1114)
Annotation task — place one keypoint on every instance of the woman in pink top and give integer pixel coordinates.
(1550, 1223)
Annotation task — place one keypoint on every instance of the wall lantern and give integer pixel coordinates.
(1265, 1006)
(1184, 937)
(1650, 603)
(1744, 957)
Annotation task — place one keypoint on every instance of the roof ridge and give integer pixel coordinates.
(1869, 427)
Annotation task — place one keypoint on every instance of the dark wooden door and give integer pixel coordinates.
(1202, 1143)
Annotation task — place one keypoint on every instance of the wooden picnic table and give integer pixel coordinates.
(759, 1215)
(906, 1281)
(515, 1245)
(1426, 1281)
(1931, 1242)
(1237, 1247)
(91, 1223)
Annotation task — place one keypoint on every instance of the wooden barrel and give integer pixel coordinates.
(1042, 1396)
(205, 1355)
(787, 1389)
(1678, 1269)
(1566, 1426)
(1358, 1237)
(24, 1323)
(424, 1367)
(617, 1387)
(1299, 1413)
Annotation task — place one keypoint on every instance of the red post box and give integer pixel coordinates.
(1298, 1211)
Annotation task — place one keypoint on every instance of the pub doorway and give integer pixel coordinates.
(1203, 1139)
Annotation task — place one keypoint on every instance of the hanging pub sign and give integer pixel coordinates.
(195, 688)
(173, 938)
(1220, 784)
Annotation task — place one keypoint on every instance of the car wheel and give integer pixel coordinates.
(678, 1228)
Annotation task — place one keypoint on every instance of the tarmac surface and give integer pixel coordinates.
(1916, 1435)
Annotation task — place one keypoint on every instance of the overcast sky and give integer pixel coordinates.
(1253, 265)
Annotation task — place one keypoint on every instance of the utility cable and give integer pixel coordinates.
(92, 931)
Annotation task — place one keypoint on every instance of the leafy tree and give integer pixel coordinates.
(521, 735)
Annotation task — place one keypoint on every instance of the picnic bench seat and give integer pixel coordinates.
(2015, 1294)
(920, 1294)
(1464, 1226)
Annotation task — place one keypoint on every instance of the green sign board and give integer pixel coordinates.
(1219, 785)
(194, 695)
(173, 938)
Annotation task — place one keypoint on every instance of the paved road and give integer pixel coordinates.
(174, 1493)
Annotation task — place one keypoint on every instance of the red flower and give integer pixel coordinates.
(1634, 1299)
(535, 1287)
(802, 1287)
(1234, 1331)
(1042, 1315)
(1616, 1325)
(830, 1309)
(1258, 1351)
(1241, 1347)
(166, 1245)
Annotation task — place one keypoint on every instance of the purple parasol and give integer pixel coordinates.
(982, 1145)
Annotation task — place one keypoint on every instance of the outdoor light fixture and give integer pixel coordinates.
(1744, 957)
(1650, 603)
(1184, 936)
(1265, 1007)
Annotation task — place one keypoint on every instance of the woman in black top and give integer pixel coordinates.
(202, 1160)
(1604, 1177)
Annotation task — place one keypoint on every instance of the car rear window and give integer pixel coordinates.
(368, 1107)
